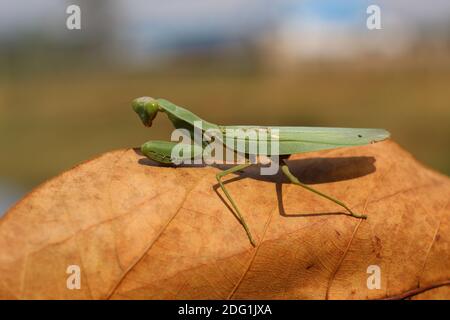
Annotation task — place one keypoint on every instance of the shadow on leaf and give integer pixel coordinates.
(309, 171)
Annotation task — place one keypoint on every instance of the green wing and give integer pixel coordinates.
(304, 139)
(291, 139)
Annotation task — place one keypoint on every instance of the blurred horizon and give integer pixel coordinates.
(65, 94)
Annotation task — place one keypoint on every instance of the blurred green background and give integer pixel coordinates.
(65, 94)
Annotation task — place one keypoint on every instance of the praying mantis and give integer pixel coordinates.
(290, 140)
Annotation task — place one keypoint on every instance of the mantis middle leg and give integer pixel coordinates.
(219, 177)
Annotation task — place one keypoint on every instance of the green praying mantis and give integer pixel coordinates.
(289, 140)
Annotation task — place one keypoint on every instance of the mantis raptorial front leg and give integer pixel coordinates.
(294, 180)
(219, 177)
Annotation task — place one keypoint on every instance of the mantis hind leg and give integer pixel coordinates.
(238, 214)
(294, 180)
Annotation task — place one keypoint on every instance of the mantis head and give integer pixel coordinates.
(146, 108)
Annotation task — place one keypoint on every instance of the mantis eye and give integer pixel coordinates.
(146, 108)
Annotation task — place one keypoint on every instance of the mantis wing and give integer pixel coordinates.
(304, 139)
(291, 139)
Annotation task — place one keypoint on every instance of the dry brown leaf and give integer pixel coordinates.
(142, 231)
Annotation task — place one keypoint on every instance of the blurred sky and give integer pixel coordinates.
(136, 29)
